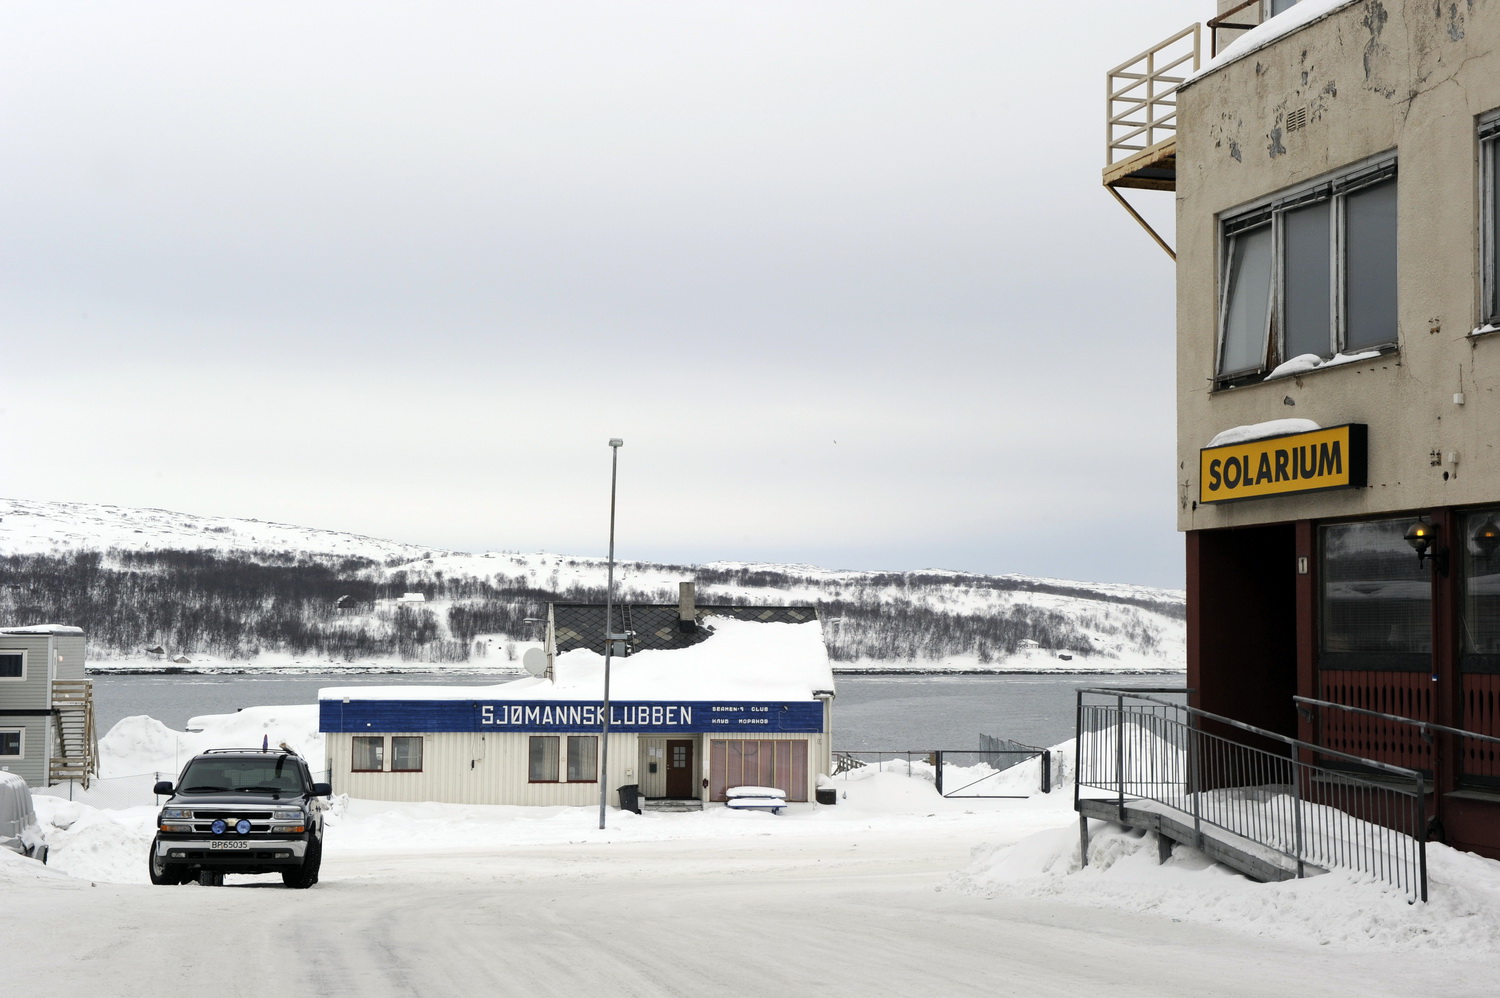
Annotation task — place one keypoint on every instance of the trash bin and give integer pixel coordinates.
(828, 795)
(630, 797)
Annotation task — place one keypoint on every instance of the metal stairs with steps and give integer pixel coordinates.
(76, 742)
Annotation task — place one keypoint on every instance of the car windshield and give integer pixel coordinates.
(273, 774)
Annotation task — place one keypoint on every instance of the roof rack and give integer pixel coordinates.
(251, 750)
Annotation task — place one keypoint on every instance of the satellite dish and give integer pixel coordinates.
(535, 661)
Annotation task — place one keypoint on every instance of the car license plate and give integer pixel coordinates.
(228, 844)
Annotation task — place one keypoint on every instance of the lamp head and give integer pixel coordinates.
(1423, 538)
(616, 442)
(1487, 538)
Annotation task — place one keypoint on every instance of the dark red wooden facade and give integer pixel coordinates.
(1253, 643)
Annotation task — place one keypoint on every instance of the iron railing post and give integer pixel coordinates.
(1297, 816)
(1120, 755)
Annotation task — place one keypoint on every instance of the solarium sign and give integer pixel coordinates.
(654, 717)
(1331, 458)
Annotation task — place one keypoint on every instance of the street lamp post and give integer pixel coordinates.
(615, 443)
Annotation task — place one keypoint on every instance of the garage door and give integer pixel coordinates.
(757, 763)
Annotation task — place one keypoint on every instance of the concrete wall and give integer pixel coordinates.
(1374, 76)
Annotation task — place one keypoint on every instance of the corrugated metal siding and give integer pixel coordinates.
(72, 649)
(33, 767)
(653, 784)
(475, 768)
(33, 691)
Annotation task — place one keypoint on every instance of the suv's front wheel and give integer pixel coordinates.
(307, 874)
(164, 874)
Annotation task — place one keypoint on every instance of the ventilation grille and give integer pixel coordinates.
(1296, 119)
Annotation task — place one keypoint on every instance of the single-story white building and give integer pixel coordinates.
(701, 699)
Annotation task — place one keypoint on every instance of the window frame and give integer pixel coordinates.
(1355, 660)
(20, 752)
(1488, 133)
(1335, 189)
(531, 767)
(567, 765)
(25, 665)
(421, 754)
(354, 753)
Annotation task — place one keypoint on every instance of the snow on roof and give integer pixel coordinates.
(1259, 431)
(743, 660)
(55, 629)
(1299, 15)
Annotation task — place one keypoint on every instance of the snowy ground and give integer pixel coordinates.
(893, 891)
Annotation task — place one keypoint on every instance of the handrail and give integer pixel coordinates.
(1423, 726)
(1158, 751)
(1215, 23)
(1144, 87)
(1295, 743)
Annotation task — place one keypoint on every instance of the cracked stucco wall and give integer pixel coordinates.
(1374, 76)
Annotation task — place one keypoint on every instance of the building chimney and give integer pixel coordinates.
(687, 609)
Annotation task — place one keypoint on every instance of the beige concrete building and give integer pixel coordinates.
(1338, 371)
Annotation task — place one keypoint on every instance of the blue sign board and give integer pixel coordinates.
(655, 717)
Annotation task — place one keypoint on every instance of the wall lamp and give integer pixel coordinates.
(1487, 539)
(1423, 538)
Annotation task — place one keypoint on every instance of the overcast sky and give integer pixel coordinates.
(842, 275)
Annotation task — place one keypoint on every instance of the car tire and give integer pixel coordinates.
(307, 874)
(162, 874)
(210, 878)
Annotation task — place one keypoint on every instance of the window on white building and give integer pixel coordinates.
(1312, 271)
(583, 758)
(12, 665)
(369, 754)
(406, 753)
(544, 758)
(12, 743)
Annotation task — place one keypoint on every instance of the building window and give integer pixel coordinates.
(12, 743)
(1311, 272)
(1489, 214)
(1377, 600)
(406, 753)
(1274, 7)
(544, 758)
(12, 665)
(1479, 629)
(369, 754)
(583, 758)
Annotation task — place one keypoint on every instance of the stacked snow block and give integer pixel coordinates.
(756, 799)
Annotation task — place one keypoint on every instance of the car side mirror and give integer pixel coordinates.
(162, 788)
(322, 789)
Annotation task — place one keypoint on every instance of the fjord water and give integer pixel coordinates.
(921, 712)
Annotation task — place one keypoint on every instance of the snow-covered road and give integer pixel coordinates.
(876, 914)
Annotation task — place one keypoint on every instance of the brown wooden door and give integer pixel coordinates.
(680, 768)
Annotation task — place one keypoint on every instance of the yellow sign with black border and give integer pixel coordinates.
(1330, 458)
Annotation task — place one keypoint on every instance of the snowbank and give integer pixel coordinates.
(140, 744)
(1339, 909)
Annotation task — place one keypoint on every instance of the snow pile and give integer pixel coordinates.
(1260, 431)
(1303, 363)
(743, 660)
(1340, 908)
(92, 844)
(142, 744)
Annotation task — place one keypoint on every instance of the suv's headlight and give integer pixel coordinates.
(289, 815)
(179, 813)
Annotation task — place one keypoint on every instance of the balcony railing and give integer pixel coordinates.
(1140, 102)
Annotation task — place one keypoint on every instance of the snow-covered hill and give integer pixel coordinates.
(875, 621)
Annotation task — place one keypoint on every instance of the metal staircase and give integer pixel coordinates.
(76, 744)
